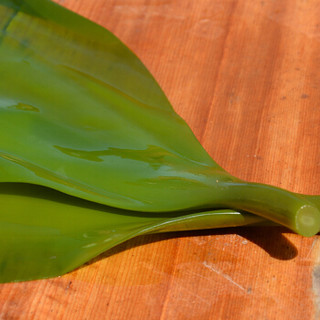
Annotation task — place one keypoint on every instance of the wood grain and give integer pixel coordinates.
(245, 76)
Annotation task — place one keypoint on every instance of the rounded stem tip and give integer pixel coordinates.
(308, 221)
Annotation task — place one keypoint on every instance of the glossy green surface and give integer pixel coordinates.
(45, 233)
(92, 153)
(90, 107)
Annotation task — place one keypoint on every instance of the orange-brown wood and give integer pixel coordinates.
(245, 76)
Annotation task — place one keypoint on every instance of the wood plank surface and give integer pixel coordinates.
(245, 76)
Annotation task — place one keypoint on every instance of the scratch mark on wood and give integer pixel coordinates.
(307, 257)
(219, 272)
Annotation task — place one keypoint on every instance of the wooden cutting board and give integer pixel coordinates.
(245, 76)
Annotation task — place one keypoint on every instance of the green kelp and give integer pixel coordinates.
(45, 233)
(80, 114)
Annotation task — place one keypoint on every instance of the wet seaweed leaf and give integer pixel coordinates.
(45, 233)
(92, 153)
